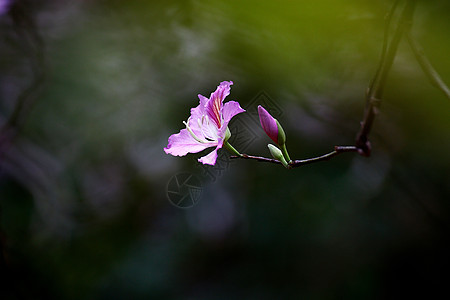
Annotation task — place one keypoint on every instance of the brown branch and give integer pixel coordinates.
(373, 95)
(337, 150)
(375, 91)
(301, 162)
(258, 158)
(387, 28)
(426, 66)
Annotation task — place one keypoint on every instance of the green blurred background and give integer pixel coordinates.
(84, 208)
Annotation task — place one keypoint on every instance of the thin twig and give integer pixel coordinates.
(426, 66)
(375, 91)
(301, 162)
(337, 150)
(258, 158)
(387, 28)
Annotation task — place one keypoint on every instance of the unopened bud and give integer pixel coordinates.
(277, 154)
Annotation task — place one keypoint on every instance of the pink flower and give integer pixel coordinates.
(206, 127)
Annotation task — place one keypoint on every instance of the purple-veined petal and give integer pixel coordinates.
(183, 143)
(215, 104)
(230, 109)
(222, 91)
(268, 123)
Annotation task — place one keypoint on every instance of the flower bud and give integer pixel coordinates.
(277, 154)
(274, 130)
(271, 126)
(268, 123)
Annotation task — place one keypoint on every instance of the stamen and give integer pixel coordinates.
(192, 133)
(208, 129)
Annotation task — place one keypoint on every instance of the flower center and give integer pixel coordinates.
(209, 132)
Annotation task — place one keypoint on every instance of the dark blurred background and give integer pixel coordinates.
(91, 90)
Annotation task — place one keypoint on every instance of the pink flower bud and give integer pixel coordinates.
(268, 123)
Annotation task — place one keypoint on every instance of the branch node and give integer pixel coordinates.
(375, 102)
(364, 149)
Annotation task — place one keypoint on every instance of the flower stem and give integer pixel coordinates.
(231, 149)
(285, 153)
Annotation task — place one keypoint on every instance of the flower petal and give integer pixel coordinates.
(211, 158)
(215, 103)
(222, 90)
(268, 123)
(203, 100)
(230, 109)
(195, 119)
(183, 143)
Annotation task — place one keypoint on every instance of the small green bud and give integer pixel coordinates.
(277, 154)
